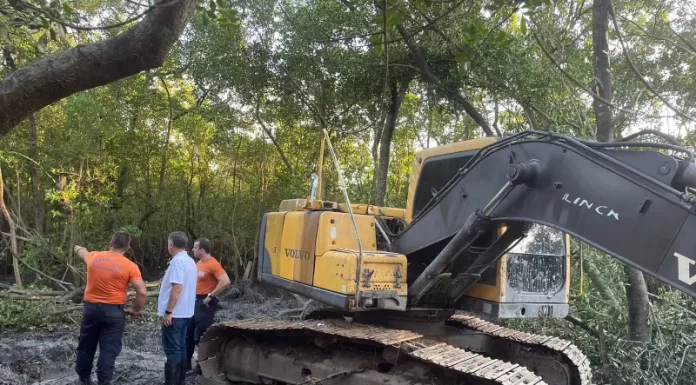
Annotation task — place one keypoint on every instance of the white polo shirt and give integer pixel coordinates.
(182, 269)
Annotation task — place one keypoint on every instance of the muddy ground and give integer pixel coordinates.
(48, 358)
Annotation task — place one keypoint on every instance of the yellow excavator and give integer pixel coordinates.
(409, 295)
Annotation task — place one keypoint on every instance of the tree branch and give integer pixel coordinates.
(667, 137)
(270, 135)
(582, 87)
(429, 76)
(170, 121)
(691, 46)
(578, 322)
(658, 38)
(635, 70)
(602, 286)
(621, 117)
(142, 47)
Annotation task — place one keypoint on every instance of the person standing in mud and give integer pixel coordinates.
(212, 281)
(177, 298)
(103, 317)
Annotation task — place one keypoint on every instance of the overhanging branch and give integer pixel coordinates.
(142, 47)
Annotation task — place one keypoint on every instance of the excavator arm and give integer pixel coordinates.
(634, 205)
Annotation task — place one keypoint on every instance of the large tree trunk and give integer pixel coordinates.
(636, 291)
(142, 47)
(34, 174)
(600, 58)
(397, 93)
(638, 306)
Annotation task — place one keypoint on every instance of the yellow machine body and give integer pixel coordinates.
(313, 247)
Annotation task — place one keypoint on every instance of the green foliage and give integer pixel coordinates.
(29, 316)
(134, 231)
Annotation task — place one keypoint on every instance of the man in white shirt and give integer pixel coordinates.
(176, 302)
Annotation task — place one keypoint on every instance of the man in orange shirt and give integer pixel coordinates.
(212, 281)
(104, 316)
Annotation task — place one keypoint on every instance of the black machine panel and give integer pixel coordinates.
(435, 173)
(615, 206)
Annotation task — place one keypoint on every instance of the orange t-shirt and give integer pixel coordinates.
(108, 275)
(209, 273)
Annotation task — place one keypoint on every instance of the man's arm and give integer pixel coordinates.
(140, 296)
(81, 252)
(173, 299)
(174, 296)
(223, 282)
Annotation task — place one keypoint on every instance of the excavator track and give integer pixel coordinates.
(537, 347)
(230, 352)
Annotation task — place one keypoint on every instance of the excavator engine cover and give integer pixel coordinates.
(313, 251)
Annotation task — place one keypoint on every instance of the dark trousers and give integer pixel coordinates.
(174, 341)
(103, 326)
(203, 317)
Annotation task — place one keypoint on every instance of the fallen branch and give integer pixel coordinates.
(18, 237)
(678, 306)
(63, 296)
(62, 284)
(80, 307)
(66, 310)
(288, 311)
(299, 298)
(301, 310)
(27, 297)
(72, 295)
(580, 323)
(149, 294)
